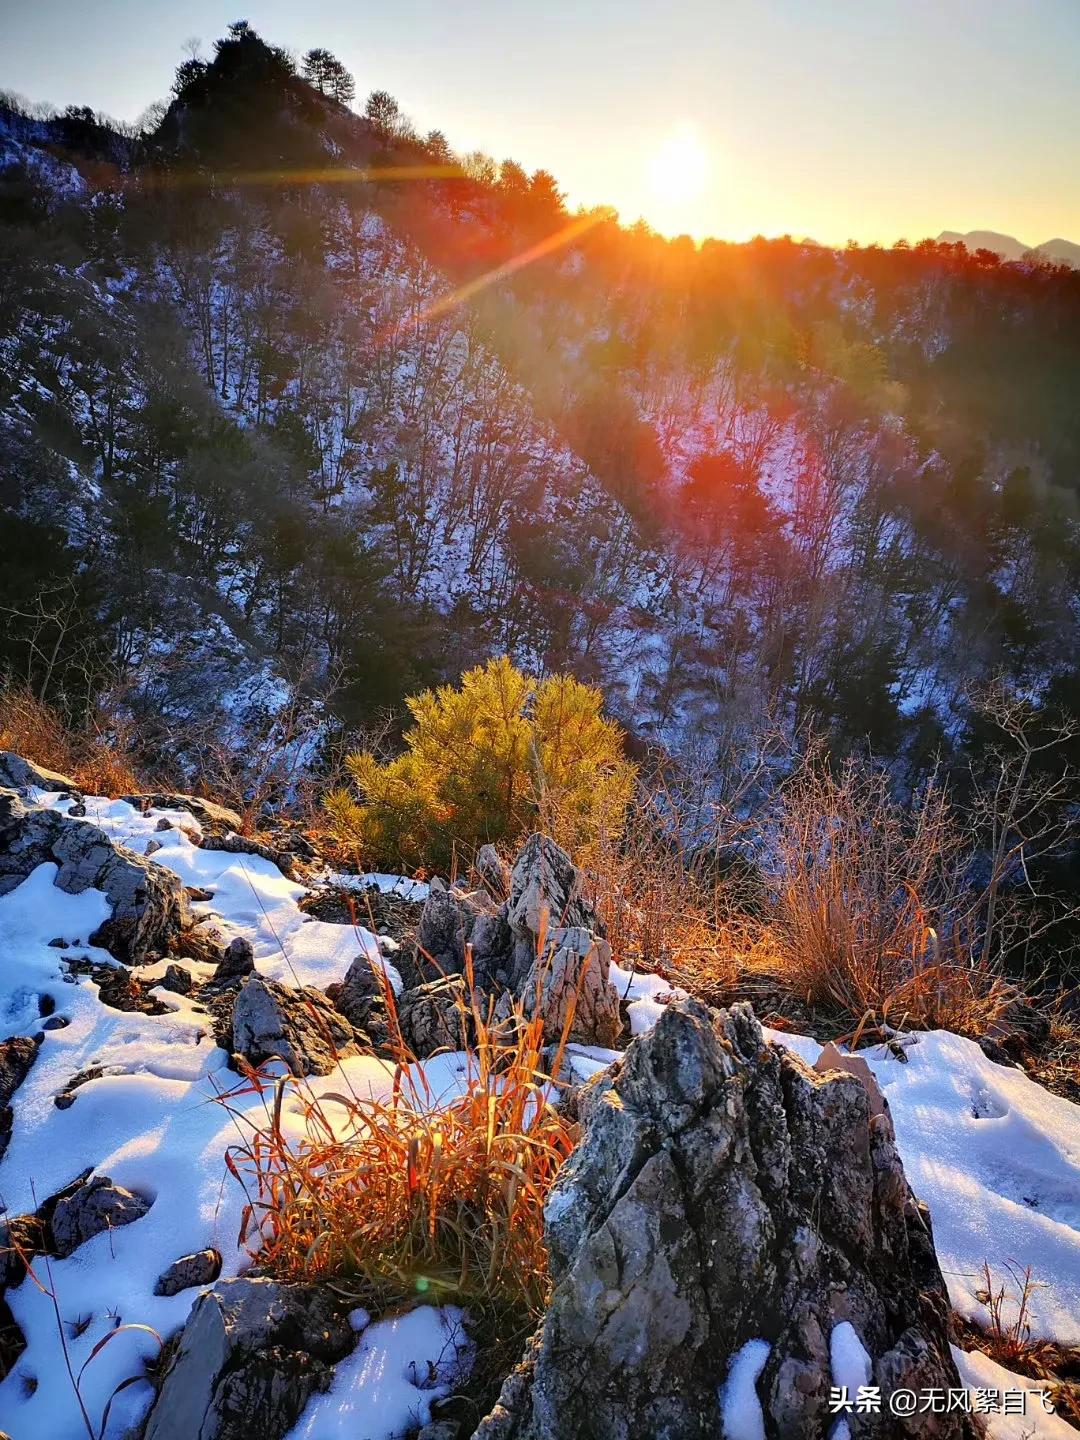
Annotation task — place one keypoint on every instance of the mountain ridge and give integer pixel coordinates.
(1064, 252)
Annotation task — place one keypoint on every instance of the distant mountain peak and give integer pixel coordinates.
(1064, 252)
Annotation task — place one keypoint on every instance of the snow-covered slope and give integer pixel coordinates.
(996, 1157)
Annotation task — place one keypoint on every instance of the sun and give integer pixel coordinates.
(678, 174)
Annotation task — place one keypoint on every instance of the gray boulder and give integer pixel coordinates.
(96, 1205)
(493, 873)
(236, 964)
(724, 1193)
(200, 1268)
(300, 1027)
(569, 986)
(453, 918)
(251, 1355)
(149, 904)
(431, 1016)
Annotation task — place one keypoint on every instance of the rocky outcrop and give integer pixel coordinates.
(493, 873)
(211, 815)
(149, 904)
(432, 1016)
(251, 1355)
(530, 930)
(19, 774)
(300, 1027)
(96, 1205)
(569, 986)
(201, 1268)
(723, 1194)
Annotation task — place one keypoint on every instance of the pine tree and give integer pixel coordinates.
(484, 762)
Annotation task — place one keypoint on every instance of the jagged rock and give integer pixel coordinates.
(493, 872)
(441, 932)
(17, 1055)
(149, 906)
(545, 895)
(300, 1027)
(454, 918)
(251, 1355)
(431, 1016)
(722, 1193)
(248, 845)
(236, 964)
(177, 980)
(95, 1206)
(569, 982)
(19, 774)
(201, 1268)
(833, 1059)
(361, 998)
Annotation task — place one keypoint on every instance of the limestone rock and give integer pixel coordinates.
(95, 1206)
(723, 1192)
(177, 980)
(431, 1017)
(493, 873)
(251, 1355)
(570, 983)
(441, 931)
(149, 906)
(201, 1268)
(300, 1027)
(453, 918)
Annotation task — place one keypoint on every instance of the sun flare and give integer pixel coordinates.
(678, 174)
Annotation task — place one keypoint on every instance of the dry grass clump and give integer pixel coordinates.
(867, 908)
(404, 1198)
(99, 759)
(1006, 1338)
(1057, 1065)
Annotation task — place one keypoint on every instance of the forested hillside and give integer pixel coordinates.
(300, 412)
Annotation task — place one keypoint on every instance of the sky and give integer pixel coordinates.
(866, 120)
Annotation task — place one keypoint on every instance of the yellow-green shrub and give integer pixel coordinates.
(483, 762)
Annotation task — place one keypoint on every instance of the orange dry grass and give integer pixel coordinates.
(867, 913)
(403, 1197)
(100, 765)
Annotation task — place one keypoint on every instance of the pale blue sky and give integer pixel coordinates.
(864, 119)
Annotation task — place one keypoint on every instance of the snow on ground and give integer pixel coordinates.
(979, 1372)
(400, 885)
(386, 1387)
(150, 1122)
(996, 1157)
(740, 1408)
(647, 995)
(250, 895)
